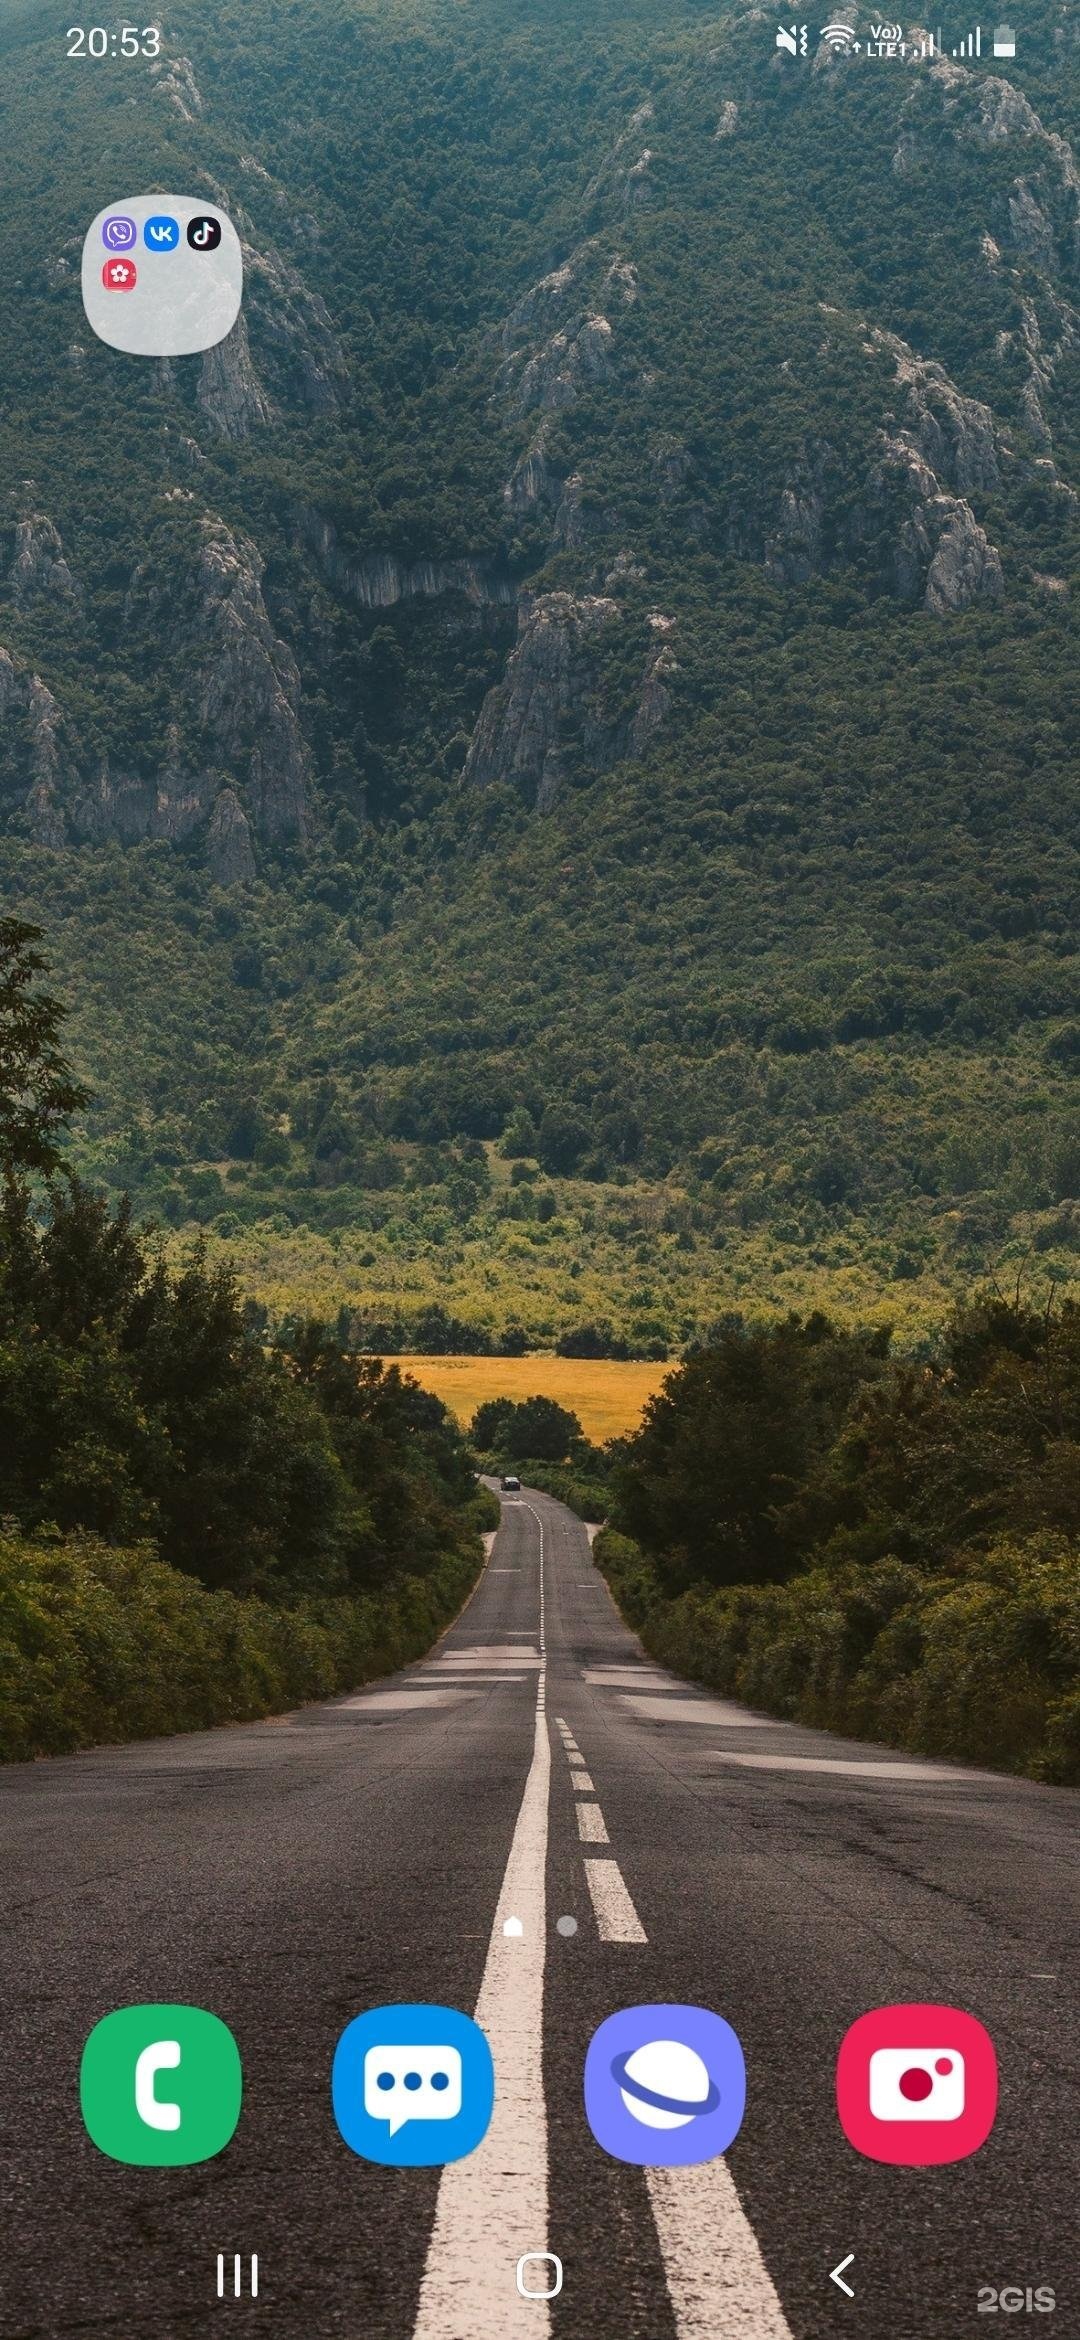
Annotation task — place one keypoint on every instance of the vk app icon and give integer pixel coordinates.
(162, 233)
(413, 2086)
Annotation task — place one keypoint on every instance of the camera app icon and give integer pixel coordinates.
(917, 2084)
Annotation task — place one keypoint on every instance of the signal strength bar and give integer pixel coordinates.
(971, 45)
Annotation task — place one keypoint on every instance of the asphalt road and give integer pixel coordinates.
(289, 1875)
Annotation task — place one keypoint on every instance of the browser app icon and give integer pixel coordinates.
(665, 2086)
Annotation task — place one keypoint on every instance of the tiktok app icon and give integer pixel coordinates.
(917, 2084)
(204, 233)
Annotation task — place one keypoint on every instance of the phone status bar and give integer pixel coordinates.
(889, 42)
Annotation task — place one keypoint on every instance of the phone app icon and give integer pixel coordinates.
(665, 2086)
(119, 276)
(204, 234)
(160, 2087)
(413, 2087)
(162, 233)
(118, 232)
(917, 2084)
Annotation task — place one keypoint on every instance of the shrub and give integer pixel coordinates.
(985, 1669)
(104, 1644)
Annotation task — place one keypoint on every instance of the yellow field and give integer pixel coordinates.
(607, 1396)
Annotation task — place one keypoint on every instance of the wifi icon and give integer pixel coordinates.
(840, 37)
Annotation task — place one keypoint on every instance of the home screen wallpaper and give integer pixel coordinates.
(539, 1172)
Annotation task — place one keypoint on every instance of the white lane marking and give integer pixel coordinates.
(473, 1675)
(871, 1770)
(506, 1571)
(616, 1918)
(715, 1711)
(498, 2195)
(590, 1825)
(494, 1648)
(716, 2276)
(631, 1677)
(589, 1584)
(397, 1701)
(581, 1781)
(512, 1660)
(484, 1651)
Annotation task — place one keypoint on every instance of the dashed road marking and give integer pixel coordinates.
(616, 1918)
(590, 1822)
(581, 1781)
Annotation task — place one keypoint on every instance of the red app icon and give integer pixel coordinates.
(119, 276)
(917, 2084)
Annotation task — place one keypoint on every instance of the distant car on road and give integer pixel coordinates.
(510, 1485)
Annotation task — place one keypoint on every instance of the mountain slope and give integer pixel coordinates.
(599, 639)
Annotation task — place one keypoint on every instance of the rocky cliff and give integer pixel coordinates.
(553, 687)
(237, 741)
(480, 437)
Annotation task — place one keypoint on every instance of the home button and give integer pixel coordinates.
(539, 2275)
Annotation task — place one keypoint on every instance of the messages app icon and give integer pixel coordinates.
(160, 2087)
(413, 2086)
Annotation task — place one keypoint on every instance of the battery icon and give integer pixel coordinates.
(1004, 41)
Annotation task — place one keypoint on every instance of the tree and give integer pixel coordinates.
(518, 1140)
(38, 1090)
(591, 1340)
(537, 1430)
(244, 1131)
(561, 1139)
(489, 1424)
(713, 1485)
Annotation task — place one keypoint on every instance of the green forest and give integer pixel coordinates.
(193, 1529)
(548, 765)
(850, 1537)
(543, 772)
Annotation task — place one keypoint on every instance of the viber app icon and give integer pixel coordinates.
(413, 2087)
(917, 2084)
